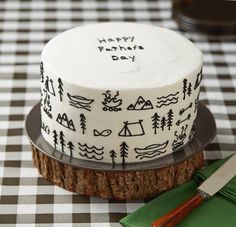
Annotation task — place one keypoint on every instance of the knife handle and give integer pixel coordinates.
(175, 216)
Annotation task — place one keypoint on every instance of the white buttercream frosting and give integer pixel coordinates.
(119, 92)
(121, 55)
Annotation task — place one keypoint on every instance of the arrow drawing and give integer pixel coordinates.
(181, 121)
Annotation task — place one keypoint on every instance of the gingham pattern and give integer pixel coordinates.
(26, 198)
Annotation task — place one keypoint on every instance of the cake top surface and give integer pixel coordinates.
(121, 55)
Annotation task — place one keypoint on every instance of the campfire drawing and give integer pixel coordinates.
(111, 103)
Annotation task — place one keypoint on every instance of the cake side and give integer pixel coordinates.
(123, 124)
(144, 124)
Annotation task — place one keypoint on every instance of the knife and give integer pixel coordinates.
(204, 192)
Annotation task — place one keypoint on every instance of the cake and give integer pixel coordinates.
(119, 92)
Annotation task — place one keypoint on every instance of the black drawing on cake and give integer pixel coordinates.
(141, 104)
(198, 80)
(49, 86)
(155, 122)
(167, 100)
(113, 157)
(124, 152)
(47, 108)
(187, 88)
(132, 129)
(169, 120)
(91, 152)
(104, 133)
(55, 138)
(151, 151)
(45, 128)
(80, 102)
(82, 123)
(62, 141)
(196, 103)
(184, 109)
(41, 72)
(111, 102)
(64, 121)
(41, 97)
(70, 146)
(60, 88)
(163, 123)
(182, 121)
(189, 91)
(179, 138)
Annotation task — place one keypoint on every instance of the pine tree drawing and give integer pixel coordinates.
(169, 120)
(60, 88)
(70, 146)
(83, 123)
(55, 138)
(163, 123)
(184, 87)
(41, 72)
(189, 92)
(62, 141)
(155, 122)
(113, 156)
(123, 152)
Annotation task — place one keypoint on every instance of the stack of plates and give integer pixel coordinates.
(214, 17)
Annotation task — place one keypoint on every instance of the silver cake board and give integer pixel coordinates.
(204, 132)
(132, 181)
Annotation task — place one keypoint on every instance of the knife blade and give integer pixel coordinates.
(205, 191)
(219, 178)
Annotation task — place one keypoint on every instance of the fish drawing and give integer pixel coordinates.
(151, 151)
(104, 133)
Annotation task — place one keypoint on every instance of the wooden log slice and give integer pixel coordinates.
(119, 185)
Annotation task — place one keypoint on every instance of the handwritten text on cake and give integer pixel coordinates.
(120, 47)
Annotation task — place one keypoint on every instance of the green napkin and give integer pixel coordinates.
(218, 211)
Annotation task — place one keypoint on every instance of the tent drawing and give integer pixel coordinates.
(132, 129)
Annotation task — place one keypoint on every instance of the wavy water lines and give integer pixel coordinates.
(93, 147)
(167, 100)
(162, 97)
(91, 152)
(90, 157)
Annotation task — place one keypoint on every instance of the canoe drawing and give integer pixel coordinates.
(80, 102)
(151, 151)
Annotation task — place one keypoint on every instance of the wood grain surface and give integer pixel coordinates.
(118, 185)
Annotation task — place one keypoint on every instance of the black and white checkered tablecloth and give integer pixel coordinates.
(26, 199)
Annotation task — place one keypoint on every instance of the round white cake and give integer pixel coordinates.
(119, 92)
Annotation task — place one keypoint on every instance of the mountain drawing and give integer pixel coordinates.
(141, 104)
(64, 121)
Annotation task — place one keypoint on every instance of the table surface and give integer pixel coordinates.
(26, 199)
